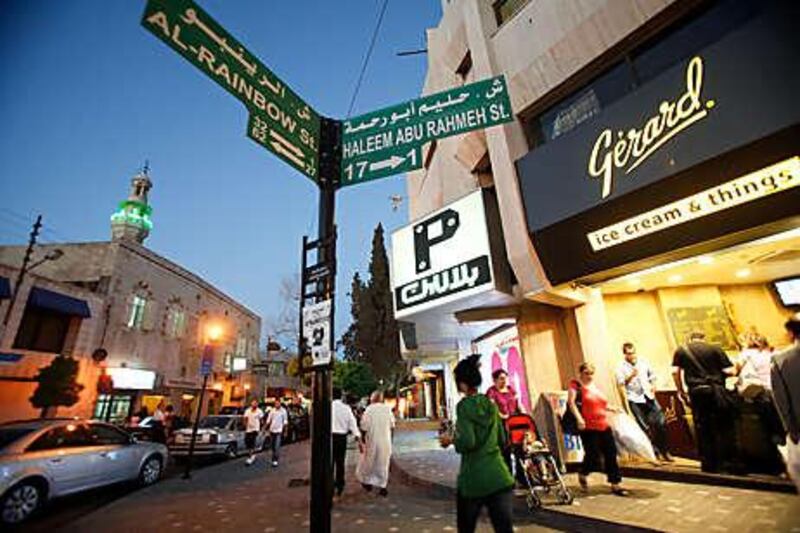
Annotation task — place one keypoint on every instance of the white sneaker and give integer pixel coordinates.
(250, 460)
(274, 463)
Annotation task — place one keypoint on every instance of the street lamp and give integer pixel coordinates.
(213, 335)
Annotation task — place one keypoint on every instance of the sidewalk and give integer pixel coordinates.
(659, 505)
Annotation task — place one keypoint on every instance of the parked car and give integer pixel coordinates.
(216, 435)
(46, 458)
(232, 410)
(299, 427)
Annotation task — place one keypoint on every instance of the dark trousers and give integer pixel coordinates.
(339, 454)
(715, 432)
(651, 419)
(595, 444)
(276, 446)
(498, 504)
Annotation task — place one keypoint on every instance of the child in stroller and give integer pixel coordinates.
(534, 460)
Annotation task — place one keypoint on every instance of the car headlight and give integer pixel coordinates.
(213, 438)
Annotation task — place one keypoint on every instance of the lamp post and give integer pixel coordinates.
(213, 334)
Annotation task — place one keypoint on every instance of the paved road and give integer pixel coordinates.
(233, 497)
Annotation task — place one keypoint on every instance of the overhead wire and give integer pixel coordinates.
(366, 58)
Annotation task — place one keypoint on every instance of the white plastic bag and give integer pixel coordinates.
(791, 456)
(630, 439)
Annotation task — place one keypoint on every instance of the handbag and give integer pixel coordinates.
(568, 421)
(724, 399)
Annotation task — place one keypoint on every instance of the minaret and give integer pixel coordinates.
(132, 220)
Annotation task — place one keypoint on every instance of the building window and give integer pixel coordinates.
(136, 316)
(637, 66)
(465, 68)
(42, 330)
(241, 346)
(176, 323)
(506, 9)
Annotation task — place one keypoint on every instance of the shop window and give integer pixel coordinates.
(176, 323)
(42, 330)
(506, 9)
(638, 65)
(136, 314)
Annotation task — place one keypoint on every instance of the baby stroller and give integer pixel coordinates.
(534, 462)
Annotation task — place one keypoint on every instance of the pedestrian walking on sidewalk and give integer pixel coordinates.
(377, 424)
(343, 424)
(786, 391)
(637, 382)
(483, 478)
(596, 435)
(252, 418)
(276, 421)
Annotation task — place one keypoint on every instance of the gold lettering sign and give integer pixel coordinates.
(632, 148)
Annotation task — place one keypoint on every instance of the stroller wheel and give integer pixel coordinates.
(565, 496)
(533, 501)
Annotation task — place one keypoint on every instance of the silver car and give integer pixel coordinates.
(42, 459)
(216, 435)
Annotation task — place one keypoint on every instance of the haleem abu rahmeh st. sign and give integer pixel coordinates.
(632, 148)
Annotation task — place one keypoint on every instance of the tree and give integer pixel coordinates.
(373, 337)
(285, 326)
(354, 377)
(57, 385)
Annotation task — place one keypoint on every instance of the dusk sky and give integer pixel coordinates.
(87, 94)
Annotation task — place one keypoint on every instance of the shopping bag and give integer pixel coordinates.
(791, 456)
(630, 439)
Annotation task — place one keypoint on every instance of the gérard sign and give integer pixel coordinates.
(627, 150)
(443, 257)
(702, 155)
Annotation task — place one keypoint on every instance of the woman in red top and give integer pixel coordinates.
(503, 394)
(595, 433)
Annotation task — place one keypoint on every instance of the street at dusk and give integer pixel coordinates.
(445, 265)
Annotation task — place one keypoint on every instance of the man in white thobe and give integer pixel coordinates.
(377, 424)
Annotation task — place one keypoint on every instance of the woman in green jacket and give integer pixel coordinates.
(483, 479)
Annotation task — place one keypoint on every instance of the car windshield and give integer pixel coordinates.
(215, 422)
(9, 435)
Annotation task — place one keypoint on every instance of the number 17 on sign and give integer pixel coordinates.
(390, 162)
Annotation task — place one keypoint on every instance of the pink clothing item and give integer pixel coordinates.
(506, 401)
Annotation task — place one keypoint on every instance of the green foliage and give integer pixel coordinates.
(354, 377)
(57, 384)
(373, 336)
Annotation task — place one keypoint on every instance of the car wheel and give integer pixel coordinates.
(230, 451)
(151, 471)
(21, 501)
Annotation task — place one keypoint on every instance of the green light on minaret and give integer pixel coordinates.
(133, 213)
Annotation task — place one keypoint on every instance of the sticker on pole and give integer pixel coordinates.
(207, 360)
(317, 331)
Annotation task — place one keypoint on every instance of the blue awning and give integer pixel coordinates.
(5, 288)
(44, 299)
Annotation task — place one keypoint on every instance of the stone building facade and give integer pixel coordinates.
(575, 70)
(151, 316)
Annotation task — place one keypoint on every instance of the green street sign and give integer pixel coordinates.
(402, 130)
(279, 119)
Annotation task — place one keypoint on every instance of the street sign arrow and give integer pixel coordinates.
(389, 141)
(190, 31)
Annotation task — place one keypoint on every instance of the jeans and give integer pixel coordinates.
(651, 419)
(276, 446)
(339, 454)
(498, 504)
(596, 443)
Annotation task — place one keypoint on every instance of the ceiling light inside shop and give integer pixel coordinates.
(743, 273)
(705, 260)
(675, 278)
(634, 281)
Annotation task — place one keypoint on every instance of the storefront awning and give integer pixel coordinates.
(45, 299)
(5, 288)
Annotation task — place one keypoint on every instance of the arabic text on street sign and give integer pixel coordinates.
(279, 119)
(317, 331)
(373, 144)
